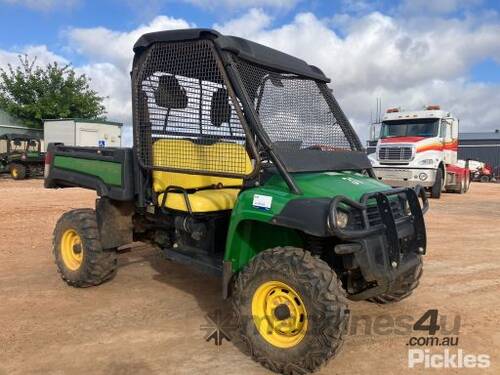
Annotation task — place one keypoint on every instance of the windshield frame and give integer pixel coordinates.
(315, 158)
(407, 123)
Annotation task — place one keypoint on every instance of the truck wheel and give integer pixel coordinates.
(485, 179)
(78, 254)
(467, 182)
(18, 171)
(462, 189)
(438, 184)
(290, 309)
(408, 283)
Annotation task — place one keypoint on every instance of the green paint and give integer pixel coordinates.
(250, 231)
(109, 172)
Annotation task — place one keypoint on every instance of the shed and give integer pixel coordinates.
(83, 132)
(481, 146)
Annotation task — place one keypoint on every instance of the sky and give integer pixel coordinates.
(409, 53)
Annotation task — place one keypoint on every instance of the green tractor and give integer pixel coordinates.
(244, 166)
(21, 155)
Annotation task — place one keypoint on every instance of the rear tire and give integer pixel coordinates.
(318, 295)
(77, 250)
(18, 171)
(438, 185)
(408, 283)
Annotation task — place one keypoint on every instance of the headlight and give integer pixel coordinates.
(341, 219)
(422, 176)
(426, 162)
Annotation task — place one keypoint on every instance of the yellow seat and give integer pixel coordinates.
(218, 157)
(202, 201)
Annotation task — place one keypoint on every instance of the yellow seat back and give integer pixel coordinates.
(223, 157)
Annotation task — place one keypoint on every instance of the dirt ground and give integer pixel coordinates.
(147, 320)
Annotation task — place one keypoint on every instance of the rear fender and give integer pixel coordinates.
(114, 222)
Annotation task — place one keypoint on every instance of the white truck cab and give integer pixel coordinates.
(419, 148)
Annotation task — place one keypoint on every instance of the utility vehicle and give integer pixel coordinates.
(419, 148)
(244, 166)
(21, 155)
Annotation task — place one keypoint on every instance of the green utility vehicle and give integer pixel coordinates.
(21, 156)
(245, 166)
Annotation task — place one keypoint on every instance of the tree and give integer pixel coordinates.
(32, 93)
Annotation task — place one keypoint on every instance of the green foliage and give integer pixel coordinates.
(32, 93)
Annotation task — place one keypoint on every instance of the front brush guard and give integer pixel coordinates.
(389, 223)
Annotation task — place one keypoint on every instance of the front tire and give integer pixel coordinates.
(438, 185)
(77, 250)
(408, 283)
(290, 309)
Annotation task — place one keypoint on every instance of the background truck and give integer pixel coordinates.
(420, 148)
(21, 156)
(244, 166)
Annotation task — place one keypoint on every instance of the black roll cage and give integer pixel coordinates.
(249, 120)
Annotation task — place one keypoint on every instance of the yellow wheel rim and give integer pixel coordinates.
(279, 314)
(14, 172)
(71, 249)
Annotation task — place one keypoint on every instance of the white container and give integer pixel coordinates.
(80, 132)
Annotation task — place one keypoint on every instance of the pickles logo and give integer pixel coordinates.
(447, 359)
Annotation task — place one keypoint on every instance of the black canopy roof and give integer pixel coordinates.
(243, 48)
(22, 137)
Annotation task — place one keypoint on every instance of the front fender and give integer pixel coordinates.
(253, 229)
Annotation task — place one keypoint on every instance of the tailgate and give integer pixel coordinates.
(108, 171)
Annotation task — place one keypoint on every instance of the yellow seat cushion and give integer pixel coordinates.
(222, 157)
(184, 154)
(203, 200)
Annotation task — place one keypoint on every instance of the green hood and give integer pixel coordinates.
(330, 184)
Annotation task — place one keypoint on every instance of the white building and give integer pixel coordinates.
(81, 132)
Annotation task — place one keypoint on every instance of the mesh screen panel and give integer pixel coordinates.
(294, 112)
(181, 95)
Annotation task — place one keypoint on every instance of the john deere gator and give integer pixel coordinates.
(244, 166)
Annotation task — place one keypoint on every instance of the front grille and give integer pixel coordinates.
(398, 153)
(374, 217)
(374, 214)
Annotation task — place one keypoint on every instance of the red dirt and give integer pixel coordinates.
(147, 320)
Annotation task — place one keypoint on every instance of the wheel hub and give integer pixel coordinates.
(279, 314)
(71, 249)
(282, 312)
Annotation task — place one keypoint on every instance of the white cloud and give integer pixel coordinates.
(42, 53)
(104, 45)
(407, 62)
(43, 5)
(252, 23)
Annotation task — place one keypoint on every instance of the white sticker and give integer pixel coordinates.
(262, 201)
(352, 180)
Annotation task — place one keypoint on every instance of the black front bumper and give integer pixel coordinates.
(386, 251)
